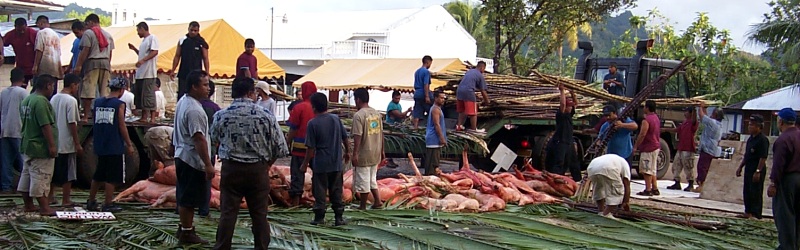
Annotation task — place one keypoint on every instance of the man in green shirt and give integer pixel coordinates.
(38, 146)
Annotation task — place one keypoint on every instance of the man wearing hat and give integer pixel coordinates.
(264, 100)
(754, 164)
(560, 148)
(109, 121)
(620, 143)
(709, 142)
(784, 184)
(684, 159)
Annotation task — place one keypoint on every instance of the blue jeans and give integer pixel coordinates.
(10, 158)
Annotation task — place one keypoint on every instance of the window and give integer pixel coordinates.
(599, 73)
(676, 86)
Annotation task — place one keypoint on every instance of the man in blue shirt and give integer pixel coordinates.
(394, 113)
(325, 138)
(620, 143)
(614, 82)
(77, 29)
(423, 97)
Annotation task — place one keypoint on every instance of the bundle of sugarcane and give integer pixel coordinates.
(342, 110)
(600, 143)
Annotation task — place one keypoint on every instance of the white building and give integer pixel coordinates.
(301, 42)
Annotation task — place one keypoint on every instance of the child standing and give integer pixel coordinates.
(109, 121)
(69, 145)
(325, 136)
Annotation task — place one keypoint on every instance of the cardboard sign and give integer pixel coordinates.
(84, 215)
(504, 157)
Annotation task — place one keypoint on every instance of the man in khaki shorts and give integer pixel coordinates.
(39, 146)
(95, 59)
(648, 143)
(368, 147)
(611, 183)
(146, 73)
(684, 159)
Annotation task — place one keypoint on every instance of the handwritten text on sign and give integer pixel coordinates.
(85, 215)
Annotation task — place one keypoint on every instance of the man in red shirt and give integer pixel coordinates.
(298, 119)
(648, 144)
(687, 146)
(23, 40)
(247, 62)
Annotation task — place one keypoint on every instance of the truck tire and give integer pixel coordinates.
(88, 163)
(664, 159)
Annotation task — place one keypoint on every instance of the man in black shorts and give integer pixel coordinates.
(110, 141)
(69, 146)
(192, 155)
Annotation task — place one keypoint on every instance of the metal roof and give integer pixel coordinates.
(9, 26)
(788, 96)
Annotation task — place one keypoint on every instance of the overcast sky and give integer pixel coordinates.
(734, 15)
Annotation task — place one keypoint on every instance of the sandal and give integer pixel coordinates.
(645, 193)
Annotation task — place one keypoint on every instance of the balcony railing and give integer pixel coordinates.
(356, 49)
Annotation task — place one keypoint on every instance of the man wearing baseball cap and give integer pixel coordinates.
(754, 164)
(620, 143)
(109, 121)
(784, 184)
(264, 100)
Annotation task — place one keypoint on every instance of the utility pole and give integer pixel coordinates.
(271, 29)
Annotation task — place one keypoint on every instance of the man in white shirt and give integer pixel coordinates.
(128, 98)
(48, 51)
(161, 101)
(265, 101)
(144, 88)
(611, 183)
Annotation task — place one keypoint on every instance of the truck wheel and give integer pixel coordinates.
(664, 159)
(88, 163)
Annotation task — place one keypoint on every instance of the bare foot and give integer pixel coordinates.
(378, 205)
(31, 209)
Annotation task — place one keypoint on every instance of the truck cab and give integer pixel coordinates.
(639, 71)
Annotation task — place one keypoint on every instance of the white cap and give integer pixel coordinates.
(263, 86)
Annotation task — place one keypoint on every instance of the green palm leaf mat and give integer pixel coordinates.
(529, 227)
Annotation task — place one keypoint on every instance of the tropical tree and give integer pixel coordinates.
(105, 21)
(720, 68)
(529, 32)
(780, 32)
(472, 18)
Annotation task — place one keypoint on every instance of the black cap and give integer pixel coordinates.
(756, 118)
(608, 109)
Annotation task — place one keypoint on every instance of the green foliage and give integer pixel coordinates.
(105, 21)
(780, 32)
(529, 227)
(528, 32)
(472, 18)
(720, 69)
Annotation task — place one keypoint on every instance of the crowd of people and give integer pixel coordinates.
(610, 173)
(39, 135)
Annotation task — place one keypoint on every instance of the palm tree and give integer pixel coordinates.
(469, 16)
(781, 35)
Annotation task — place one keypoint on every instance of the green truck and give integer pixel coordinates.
(528, 137)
